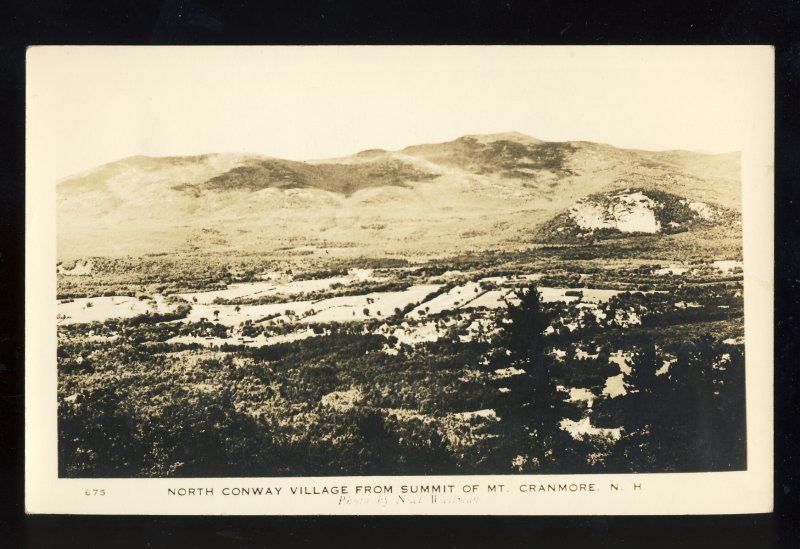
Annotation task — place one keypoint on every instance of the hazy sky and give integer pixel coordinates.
(90, 105)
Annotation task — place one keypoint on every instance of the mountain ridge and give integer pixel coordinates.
(425, 197)
(499, 136)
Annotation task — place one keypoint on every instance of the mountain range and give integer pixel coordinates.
(475, 192)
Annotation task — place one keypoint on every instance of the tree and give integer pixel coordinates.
(524, 335)
(533, 414)
(707, 388)
(689, 418)
(639, 412)
(642, 387)
(588, 320)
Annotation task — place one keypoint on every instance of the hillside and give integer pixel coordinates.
(630, 212)
(472, 193)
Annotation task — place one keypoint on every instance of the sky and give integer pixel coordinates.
(92, 105)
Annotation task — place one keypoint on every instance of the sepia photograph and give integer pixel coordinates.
(527, 264)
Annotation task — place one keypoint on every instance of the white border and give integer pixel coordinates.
(696, 493)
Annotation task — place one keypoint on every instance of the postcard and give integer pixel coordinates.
(399, 280)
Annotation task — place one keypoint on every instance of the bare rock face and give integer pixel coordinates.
(626, 212)
(634, 212)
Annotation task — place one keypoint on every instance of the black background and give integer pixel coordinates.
(399, 22)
